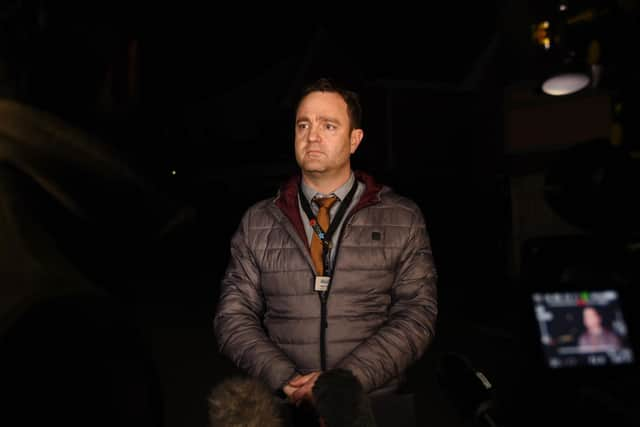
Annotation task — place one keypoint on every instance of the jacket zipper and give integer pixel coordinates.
(324, 295)
(323, 329)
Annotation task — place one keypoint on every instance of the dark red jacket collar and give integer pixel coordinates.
(287, 199)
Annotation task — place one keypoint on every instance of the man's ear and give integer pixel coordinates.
(356, 138)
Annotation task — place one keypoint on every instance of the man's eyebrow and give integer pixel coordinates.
(329, 119)
(323, 119)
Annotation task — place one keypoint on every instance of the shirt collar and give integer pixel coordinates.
(341, 192)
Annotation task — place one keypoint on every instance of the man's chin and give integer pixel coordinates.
(313, 167)
(313, 173)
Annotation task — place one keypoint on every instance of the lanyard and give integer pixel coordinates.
(325, 236)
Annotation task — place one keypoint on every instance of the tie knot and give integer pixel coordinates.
(325, 202)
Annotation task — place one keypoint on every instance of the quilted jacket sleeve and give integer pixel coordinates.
(410, 328)
(238, 318)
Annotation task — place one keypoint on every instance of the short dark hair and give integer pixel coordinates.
(243, 401)
(351, 98)
(340, 400)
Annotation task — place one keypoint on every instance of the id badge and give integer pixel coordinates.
(322, 283)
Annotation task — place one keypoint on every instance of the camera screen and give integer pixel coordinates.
(582, 329)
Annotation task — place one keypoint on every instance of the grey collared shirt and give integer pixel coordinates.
(340, 193)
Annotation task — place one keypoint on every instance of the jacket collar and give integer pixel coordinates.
(287, 198)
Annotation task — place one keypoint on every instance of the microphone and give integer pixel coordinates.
(469, 389)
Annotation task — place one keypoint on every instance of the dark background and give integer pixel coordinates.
(199, 99)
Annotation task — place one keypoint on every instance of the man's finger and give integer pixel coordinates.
(289, 390)
(300, 394)
(299, 381)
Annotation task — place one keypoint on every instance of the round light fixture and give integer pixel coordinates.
(565, 84)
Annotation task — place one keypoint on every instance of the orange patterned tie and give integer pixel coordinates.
(323, 220)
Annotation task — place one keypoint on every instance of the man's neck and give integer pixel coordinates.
(326, 184)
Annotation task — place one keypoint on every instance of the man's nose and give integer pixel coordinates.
(314, 133)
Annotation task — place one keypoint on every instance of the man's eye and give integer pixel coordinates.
(302, 126)
(329, 126)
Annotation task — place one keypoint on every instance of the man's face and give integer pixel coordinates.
(324, 140)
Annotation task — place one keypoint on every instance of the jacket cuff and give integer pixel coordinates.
(278, 387)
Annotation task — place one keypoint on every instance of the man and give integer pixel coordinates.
(299, 296)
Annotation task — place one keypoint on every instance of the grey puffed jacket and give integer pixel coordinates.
(381, 307)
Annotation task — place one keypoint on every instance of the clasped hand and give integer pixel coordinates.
(300, 387)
